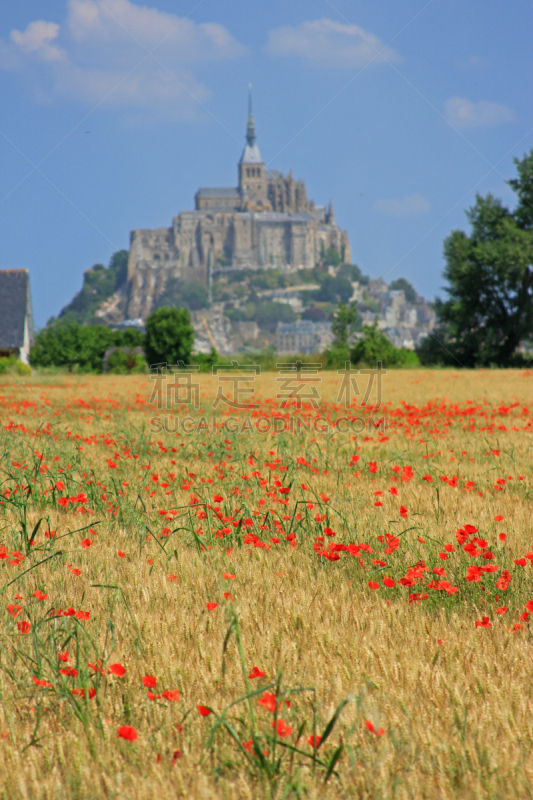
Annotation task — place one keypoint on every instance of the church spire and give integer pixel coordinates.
(250, 128)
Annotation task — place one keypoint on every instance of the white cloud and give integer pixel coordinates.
(330, 43)
(101, 54)
(37, 39)
(412, 205)
(463, 113)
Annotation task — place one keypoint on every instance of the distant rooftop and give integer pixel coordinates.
(218, 191)
(279, 216)
(251, 155)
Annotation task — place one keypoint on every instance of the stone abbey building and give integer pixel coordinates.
(265, 221)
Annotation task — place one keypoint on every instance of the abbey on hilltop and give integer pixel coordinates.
(265, 221)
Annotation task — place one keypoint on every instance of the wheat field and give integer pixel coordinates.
(330, 612)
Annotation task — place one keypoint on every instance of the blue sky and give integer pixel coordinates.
(116, 112)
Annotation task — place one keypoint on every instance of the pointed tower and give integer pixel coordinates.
(330, 216)
(251, 166)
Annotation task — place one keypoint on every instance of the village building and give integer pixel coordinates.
(304, 337)
(16, 316)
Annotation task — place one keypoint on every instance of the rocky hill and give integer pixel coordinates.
(245, 309)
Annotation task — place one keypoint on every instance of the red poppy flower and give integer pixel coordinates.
(268, 701)
(282, 729)
(171, 694)
(44, 684)
(39, 595)
(373, 584)
(228, 596)
(314, 741)
(218, 498)
(256, 673)
(81, 692)
(228, 576)
(86, 543)
(117, 669)
(128, 732)
(211, 606)
(149, 681)
(24, 626)
(502, 610)
(483, 623)
(172, 578)
(389, 582)
(121, 554)
(204, 711)
(372, 729)
(403, 512)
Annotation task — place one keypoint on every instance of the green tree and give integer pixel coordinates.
(73, 346)
(489, 310)
(125, 361)
(345, 320)
(402, 284)
(352, 272)
(270, 312)
(130, 337)
(333, 289)
(169, 336)
(372, 347)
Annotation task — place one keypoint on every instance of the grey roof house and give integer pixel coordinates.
(16, 317)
